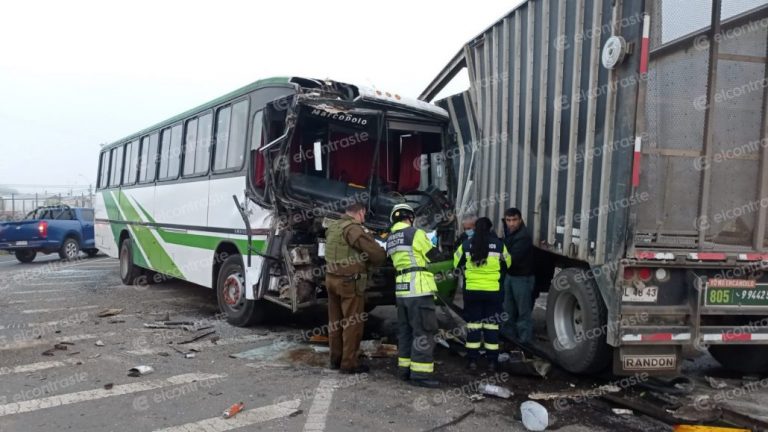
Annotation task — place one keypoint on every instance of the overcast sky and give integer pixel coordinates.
(75, 74)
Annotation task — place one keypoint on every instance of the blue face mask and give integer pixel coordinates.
(469, 233)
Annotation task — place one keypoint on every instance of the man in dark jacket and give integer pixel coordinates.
(518, 283)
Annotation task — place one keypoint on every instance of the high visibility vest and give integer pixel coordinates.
(408, 247)
(487, 276)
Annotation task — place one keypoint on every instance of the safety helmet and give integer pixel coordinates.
(400, 211)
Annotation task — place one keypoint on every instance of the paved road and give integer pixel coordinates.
(283, 383)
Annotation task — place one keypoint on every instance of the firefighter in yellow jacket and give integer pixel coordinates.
(414, 289)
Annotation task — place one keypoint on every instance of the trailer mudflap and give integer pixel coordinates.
(653, 359)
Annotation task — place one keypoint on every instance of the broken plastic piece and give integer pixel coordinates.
(494, 390)
(535, 416)
(140, 370)
(99, 343)
(233, 410)
(622, 411)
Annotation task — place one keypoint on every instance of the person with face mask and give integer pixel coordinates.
(484, 259)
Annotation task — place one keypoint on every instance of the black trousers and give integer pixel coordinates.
(482, 312)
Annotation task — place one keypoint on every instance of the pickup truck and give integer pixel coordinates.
(63, 229)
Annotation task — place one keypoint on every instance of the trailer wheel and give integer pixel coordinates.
(230, 292)
(576, 323)
(129, 272)
(25, 256)
(746, 359)
(69, 249)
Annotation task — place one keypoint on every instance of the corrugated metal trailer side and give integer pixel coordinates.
(587, 116)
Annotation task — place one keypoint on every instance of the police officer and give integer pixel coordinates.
(484, 259)
(350, 250)
(414, 288)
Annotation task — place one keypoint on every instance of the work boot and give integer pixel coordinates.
(472, 365)
(424, 382)
(404, 374)
(356, 370)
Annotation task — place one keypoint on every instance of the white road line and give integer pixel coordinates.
(42, 291)
(33, 367)
(100, 393)
(204, 344)
(32, 311)
(37, 301)
(320, 405)
(28, 285)
(29, 343)
(245, 418)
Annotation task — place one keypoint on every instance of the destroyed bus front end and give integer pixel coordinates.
(331, 144)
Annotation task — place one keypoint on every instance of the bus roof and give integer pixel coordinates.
(364, 92)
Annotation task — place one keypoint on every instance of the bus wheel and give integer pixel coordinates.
(576, 323)
(746, 359)
(129, 272)
(25, 256)
(230, 292)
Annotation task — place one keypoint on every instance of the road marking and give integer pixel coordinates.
(33, 367)
(245, 418)
(320, 405)
(26, 343)
(28, 285)
(204, 344)
(42, 291)
(37, 301)
(31, 311)
(100, 393)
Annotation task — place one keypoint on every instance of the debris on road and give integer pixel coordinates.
(698, 428)
(535, 416)
(233, 410)
(453, 421)
(189, 355)
(715, 383)
(108, 313)
(196, 338)
(476, 397)
(319, 339)
(60, 347)
(49, 352)
(94, 356)
(377, 349)
(622, 411)
(517, 363)
(494, 390)
(140, 370)
(321, 349)
(574, 393)
(108, 386)
(99, 343)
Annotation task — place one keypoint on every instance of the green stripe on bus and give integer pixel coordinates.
(158, 258)
(202, 241)
(114, 214)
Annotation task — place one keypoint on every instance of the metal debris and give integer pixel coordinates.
(140, 370)
(99, 343)
(715, 383)
(196, 338)
(108, 312)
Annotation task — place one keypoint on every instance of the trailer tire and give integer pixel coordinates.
(576, 323)
(230, 292)
(130, 273)
(746, 359)
(25, 256)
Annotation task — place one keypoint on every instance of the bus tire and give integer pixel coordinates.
(129, 272)
(25, 256)
(230, 292)
(745, 359)
(69, 249)
(576, 323)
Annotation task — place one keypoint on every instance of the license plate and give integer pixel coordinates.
(736, 294)
(648, 294)
(22, 243)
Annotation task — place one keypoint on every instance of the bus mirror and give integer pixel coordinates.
(318, 155)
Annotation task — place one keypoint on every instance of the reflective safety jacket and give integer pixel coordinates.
(408, 247)
(486, 277)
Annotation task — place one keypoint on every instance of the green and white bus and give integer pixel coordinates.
(234, 194)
